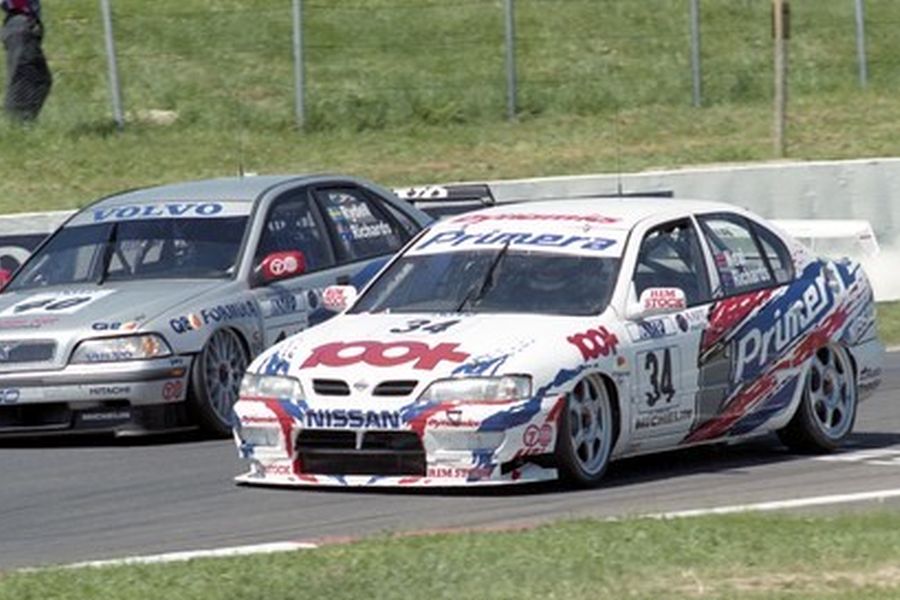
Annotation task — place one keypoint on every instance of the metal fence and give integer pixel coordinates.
(373, 63)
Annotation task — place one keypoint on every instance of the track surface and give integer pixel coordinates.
(68, 501)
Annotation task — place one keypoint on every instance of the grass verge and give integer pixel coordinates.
(888, 318)
(737, 557)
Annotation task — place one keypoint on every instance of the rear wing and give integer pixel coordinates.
(819, 233)
(444, 200)
(452, 199)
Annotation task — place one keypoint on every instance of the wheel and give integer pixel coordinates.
(586, 431)
(216, 381)
(828, 406)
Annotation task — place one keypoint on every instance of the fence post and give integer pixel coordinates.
(115, 90)
(781, 11)
(299, 67)
(861, 43)
(696, 73)
(511, 91)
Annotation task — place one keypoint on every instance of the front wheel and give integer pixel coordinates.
(586, 430)
(216, 381)
(828, 406)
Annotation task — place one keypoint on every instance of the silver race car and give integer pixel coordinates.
(143, 310)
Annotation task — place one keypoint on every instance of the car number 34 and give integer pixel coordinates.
(656, 368)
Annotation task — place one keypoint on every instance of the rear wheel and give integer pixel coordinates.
(586, 431)
(216, 381)
(827, 408)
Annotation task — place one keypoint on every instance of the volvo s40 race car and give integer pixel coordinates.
(528, 342)
(142, 311)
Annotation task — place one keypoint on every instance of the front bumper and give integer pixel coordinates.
(443, 445)
(93, 397)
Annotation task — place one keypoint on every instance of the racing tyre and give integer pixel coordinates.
(216, 381)
(828, 406)
(586, 432)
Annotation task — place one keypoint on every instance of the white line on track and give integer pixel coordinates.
(873, 496)
(192, 554)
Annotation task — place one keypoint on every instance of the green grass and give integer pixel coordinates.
(736, 557)
(888, 318)
(408, 91)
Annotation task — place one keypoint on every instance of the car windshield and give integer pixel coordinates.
(135, 250)
(493, 281)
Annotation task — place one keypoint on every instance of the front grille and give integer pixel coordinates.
(326, 438)
(331, 387)
(386, 453)
(401, 387)
(391, 440)
(30, 351)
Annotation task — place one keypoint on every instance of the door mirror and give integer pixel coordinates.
(338, 298)
(658, 301)
(280, 265)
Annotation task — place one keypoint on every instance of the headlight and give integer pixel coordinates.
(479, 389)
(254, 385)
(132, 347)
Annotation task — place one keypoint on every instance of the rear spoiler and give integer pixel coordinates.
(811, 230)
(442, 200)
(464, 192)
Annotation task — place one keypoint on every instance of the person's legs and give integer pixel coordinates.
(28, 77)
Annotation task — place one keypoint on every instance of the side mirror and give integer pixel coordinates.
(338, 298)
(658, 301)
(280, 265)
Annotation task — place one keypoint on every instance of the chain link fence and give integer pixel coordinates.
(370, 64)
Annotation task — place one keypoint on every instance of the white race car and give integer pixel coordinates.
(527, 342)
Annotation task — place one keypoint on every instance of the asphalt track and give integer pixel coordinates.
(78, 500)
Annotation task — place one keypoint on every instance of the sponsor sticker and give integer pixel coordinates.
(380, 354)
(9, 396)
(595, 343)
(442, 241)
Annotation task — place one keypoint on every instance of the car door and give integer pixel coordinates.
(751, 264)
(292, 263)
(664, 348)
(344, 235)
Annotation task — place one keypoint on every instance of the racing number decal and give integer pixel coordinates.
(55, 303)
(50, 304)
(425, 325)
(657, 366)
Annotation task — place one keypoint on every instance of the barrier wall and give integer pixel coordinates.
(866, 189)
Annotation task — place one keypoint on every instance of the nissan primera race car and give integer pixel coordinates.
(142, 311)
(527, 342)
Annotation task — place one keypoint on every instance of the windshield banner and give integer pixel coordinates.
(606, 243)
(188, 209)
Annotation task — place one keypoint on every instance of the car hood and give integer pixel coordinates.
(367, 349)
(65, 315)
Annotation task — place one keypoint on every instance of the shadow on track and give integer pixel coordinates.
(104, 440)
(714, 458)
